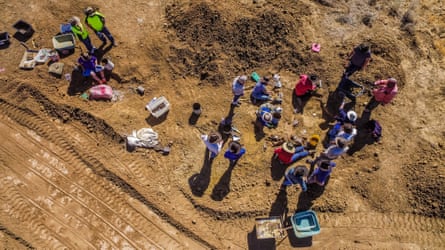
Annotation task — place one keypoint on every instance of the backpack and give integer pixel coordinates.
(101, 92)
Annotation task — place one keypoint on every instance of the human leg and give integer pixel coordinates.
(300, 153)
(108, 34)
(351, 69)
(372, 104)
(101, 36)
(235, 99)
(88, 45)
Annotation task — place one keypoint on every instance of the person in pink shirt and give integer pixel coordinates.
(303, 89)
(384, 93)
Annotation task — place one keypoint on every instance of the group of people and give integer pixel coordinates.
(87, 62)
(96, 22)
(339, 137)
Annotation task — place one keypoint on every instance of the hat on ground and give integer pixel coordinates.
(314, 140)
(301, 171)
(214, 137)
(341, 142)
(267, 117)
(352, 116)
(235, 147)
(288, 147)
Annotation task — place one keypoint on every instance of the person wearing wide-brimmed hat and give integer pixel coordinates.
(290, 152)
(384, 93)
(268, 115)
(96, 21)
(214, 143)
(296, 175)
(234, 152)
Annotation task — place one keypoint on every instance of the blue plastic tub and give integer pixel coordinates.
(305, 224)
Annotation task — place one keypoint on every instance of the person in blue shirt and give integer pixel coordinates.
(259, 92)
(234, 152)
(268, 115)
(295, 175)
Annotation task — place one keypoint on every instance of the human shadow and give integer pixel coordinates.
(200, 182)
(258, 129)
(306, 199)
(254, 243)
(222, 188)
(101, 51)
(79, 83)
(277, 168)
(279, 206)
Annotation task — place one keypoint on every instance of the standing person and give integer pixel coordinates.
(81, 33)
(234, 152)
(213, 142)
(259, 92)
(238, 89)
(384, 93)
(96, 21)
(359, 58)
(295, 175)
(322, 172)
(89, 66)
(304, 88)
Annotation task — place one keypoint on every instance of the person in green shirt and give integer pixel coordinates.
(81, 33)
(96, 21)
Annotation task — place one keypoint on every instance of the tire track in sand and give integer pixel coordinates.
(400, 227)
(30, 121)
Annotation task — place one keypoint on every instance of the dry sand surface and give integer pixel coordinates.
(67, 180)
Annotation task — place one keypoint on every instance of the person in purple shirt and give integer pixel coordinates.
(89, 66)
(322, 172)
(358, 59)
(234, 152)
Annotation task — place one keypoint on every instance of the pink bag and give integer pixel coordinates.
(101, 92)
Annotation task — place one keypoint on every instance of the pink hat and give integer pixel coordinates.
(316, 47)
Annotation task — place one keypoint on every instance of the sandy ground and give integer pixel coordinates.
(68, 180)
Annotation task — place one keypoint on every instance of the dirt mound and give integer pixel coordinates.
(215, 45)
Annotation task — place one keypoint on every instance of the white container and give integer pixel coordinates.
(158, 106)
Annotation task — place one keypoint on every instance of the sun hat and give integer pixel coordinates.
(288, 147)
(235, 147)
(314, 140)
(352, 116)
(301, 171)
(267, 117)
(341, 142)
(214, 137)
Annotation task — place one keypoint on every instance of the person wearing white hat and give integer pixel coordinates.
(267, 115)
(214, 143)
(384, 93)
(238, 89)
(334, 151)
